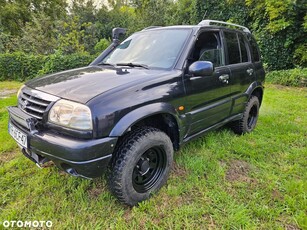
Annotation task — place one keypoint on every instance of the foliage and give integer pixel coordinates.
(59, 62)
(44, 27)
(70, 38)
(294, 77)
(219, 181)
(300, 55)
(16, 13)
(275, 53)
(38, 35)
(152, 12)
(102, 45)
(20, 66)
(280, 29)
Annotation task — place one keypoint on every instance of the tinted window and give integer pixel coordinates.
(254, 47)
(233, 48)
(244, 55)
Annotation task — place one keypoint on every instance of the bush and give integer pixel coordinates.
(59, 62)
(102, 45)
(294, 77)
(20, 66)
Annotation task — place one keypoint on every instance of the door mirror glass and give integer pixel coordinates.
(201, 68)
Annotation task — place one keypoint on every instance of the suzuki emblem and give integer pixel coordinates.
(24, 104)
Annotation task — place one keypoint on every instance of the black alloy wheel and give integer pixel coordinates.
(250, 117)
(140, 165)
(149, 169)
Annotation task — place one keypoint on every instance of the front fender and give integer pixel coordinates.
(139, 114)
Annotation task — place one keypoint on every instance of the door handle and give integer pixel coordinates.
(224, 78)
(250, 71)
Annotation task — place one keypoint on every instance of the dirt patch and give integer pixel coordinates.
(48, 164)
(7, 156)
(291, 227)
(4, 93)
(276, 195)
(128, 215)
(179, 171)
(211, 222)
(96, 190)
(238, 171)
(62, 173)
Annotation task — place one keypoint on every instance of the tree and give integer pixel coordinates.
(14, 14)
(279, 26)
(27, 25)
(152, 13)
(71, 35)
(39, 36)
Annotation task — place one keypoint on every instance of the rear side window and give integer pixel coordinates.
(244, 55)
(254, 47)
(232, 48)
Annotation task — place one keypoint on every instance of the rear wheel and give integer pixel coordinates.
(140, 165)
(250, 117)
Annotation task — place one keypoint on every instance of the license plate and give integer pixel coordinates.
(18, 135)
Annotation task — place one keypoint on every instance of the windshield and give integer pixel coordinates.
(152, 48)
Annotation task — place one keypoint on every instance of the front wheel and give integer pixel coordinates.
(250, 117)
(140, 165)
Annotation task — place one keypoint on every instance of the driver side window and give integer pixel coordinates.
(208, 48)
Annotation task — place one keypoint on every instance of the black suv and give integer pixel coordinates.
(140, 100)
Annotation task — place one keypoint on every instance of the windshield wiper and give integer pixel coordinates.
(133, 65)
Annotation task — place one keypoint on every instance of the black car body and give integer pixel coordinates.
(195, 90)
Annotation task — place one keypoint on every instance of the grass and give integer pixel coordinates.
(255, 181)
(7, 85)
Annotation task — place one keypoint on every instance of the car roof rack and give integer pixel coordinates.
(151, 27)
(210, 22)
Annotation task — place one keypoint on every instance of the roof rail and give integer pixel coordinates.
(210, 22)
(151, 27)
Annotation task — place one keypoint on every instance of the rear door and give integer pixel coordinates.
(238, 60)
(259, 71)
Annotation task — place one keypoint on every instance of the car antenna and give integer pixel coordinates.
(205, 14)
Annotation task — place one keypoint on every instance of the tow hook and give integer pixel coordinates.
(31, 124)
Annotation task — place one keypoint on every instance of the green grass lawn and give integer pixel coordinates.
(255, 181)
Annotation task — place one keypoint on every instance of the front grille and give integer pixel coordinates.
(34, 103)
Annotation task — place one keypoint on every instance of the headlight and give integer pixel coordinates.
(19, 91)
(71, 114)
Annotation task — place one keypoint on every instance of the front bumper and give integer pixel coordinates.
(78, 157)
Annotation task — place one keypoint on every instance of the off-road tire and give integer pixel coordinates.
(140, 165)
(250, 116)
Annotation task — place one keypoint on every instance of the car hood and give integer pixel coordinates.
(83, 84)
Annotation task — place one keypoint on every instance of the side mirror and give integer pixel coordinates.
(201, 68)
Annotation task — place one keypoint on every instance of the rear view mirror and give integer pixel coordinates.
(201, 68)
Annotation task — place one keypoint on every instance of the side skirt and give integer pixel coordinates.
(218, 125)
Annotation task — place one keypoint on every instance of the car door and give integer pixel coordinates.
(238, 60)
(208, 98)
